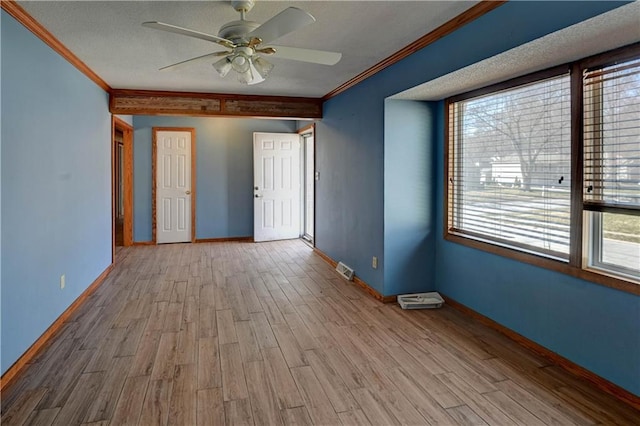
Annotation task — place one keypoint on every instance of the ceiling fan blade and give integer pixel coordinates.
(283, 23)
(187, 32)
(196, 59)
(307, 55)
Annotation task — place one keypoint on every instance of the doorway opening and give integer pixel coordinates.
(118, 141)
(121, 183)
(309, 178)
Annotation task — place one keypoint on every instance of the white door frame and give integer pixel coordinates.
(306, 131)
(154, 171)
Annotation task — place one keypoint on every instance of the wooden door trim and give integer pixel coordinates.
(127, 181)
(154, 159)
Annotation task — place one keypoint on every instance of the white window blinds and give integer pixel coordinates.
(510, 167)
(612, 137)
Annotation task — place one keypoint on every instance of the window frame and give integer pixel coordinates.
(593, 248)
(577, 263)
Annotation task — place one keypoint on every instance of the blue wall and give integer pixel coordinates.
(126, 118)
(56, 186)
(224, 172)
(594, 326)
(409, 232)
(349, 194)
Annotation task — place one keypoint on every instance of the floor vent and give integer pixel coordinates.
(428, 300)
(345, 271)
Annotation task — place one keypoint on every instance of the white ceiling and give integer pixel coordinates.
(616, 28)
(108, 37)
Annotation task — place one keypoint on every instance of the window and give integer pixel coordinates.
(546, 168)
(511, 167)
(612, 166)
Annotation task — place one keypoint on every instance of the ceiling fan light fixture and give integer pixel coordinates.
(223, 66)
(240, 62)
(262, 66)
(245, 77)
(257, 78)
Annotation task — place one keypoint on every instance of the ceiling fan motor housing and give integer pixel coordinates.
(236, 30)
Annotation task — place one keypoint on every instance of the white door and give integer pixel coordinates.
(277, 186)
(173, 187)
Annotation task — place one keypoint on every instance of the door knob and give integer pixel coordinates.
(187, 192)
(258, 196)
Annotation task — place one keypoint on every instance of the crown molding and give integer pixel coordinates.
(448, 27)
(29, 22)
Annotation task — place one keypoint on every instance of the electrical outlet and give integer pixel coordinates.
(63, 281)
(374, 262)
(316, 175)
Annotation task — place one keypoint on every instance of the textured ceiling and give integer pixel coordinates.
(610, 30)
(108, 37)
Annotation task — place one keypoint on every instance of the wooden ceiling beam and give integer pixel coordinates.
(151, 102)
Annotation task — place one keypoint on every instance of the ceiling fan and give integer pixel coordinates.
(248, 42)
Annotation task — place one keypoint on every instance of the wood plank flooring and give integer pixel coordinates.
(268, 334)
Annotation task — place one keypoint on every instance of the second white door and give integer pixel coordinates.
(277, 186)
(173, 186)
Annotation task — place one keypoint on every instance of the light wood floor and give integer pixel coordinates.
(240, 333)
